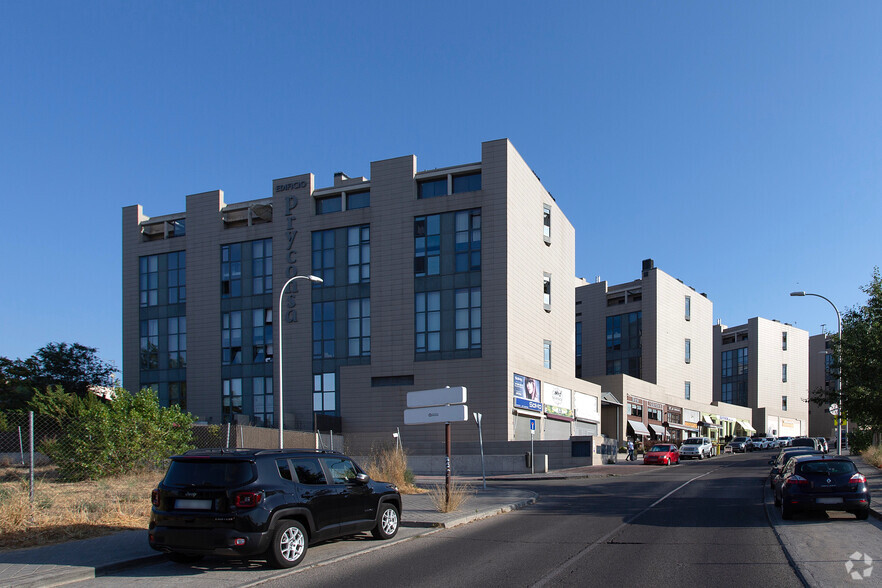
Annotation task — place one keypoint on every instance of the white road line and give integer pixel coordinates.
(567, 564)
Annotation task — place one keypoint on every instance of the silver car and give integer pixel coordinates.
(696, 447)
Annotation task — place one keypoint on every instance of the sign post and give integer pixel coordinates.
(532, 455)
(481, 442)
(438, 406)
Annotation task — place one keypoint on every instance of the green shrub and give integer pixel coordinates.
(131, 433)
(859, 440)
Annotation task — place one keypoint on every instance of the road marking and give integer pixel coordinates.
(588, 549)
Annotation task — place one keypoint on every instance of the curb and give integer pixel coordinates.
(485, 514)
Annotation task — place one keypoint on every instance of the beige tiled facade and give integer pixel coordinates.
(780, 406)
(517, 257)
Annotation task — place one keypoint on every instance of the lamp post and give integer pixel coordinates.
(838, 360)
(311, 278)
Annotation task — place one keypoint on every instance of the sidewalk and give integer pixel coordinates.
(84, 559)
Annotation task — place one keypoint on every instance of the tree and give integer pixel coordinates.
(75, 368)
(858, 359)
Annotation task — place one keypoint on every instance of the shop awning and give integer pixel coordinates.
(659, 430)
(683, 428)
(608, 398)
(707, 422)
(746, 426)
(639, 428)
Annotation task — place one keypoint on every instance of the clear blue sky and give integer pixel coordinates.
(736, 143)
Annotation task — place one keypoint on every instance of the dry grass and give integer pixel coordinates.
(873, 455)
(390, 465)
(459, 495)
(67, 511)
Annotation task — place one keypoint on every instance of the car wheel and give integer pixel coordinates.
(387, 522)
(862, 514)
(289, 545)
(183, 558)
(786, 510)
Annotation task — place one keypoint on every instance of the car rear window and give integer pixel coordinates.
(209, 473)
(827, 468)
(692, 442)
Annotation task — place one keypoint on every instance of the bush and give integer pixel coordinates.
(873, 455)
(390, 465)
(859, 440)
(130, 434)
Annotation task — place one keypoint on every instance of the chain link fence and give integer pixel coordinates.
(45, 482)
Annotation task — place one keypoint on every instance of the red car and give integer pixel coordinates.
(662, 453)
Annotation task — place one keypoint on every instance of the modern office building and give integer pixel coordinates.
(649, 343)
(763, 365)
(821, 422)
(460, 276)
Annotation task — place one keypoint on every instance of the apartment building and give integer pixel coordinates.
(763, 365)
(649, 343)
(458, 276)
(821, 422)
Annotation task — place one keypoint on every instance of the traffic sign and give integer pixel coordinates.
(436, 414)
(438, 397)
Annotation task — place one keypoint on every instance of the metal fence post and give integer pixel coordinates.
(31, 472)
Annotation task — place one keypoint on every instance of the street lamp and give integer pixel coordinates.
(838, 360)
(311, 278)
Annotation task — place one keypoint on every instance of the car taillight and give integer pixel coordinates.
(858, 479)
(154, 497)
(247, 499)
(796, 481)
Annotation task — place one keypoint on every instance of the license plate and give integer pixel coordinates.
(829, 500)
(193, 504)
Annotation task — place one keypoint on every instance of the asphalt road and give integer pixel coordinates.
(701, 523)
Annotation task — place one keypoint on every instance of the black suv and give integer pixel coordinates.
(266, 503)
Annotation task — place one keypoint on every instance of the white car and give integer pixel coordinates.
(700, 447)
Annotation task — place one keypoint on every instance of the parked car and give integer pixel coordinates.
(759, 443)
(780, 460)
(784, 441)
(739, 445)
(805, 442)
(663, 454)
(696, 447)
(266, 503)
(822, 482)
(824, 446)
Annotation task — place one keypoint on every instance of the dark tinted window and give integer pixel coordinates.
(308, 471)
(467, 183)
(342, 470)
(827, 468)
(433, 188)
(284, 469)
(215, 473)
(358, 200)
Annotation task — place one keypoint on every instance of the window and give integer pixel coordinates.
(358, 200)
(783, 403)
(688, 350)
(359, 327)
(427, 245)
(468, 318)
(177, 228)
(231, 398)
(546, 223)
(432, 188)
(358, 254)
(150, 344)
(688, 308)
(324, 393)
(323, 330)
(177, 394)
(231, 338)
(231, 270)
(635, 409)
(262, 400)
(323, 256)
(578, 343)
(546, 354)
(624, 334)
(262, 266)
(329, 204)
(261, 335)
(654, 414)
(783, 372)
(784, 340)
(177, 342)
(309, 471)
(688, 391)
(177, 277)
(468, 240)
(734, 374)
(149, 280)
(546, 291)
(428, 321)
(467, 183)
